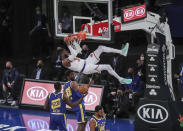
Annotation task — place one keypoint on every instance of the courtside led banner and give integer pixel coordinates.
(36, 92)
(133, 13)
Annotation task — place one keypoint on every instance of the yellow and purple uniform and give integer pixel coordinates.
(100, 123)
(73, 97)
(57, 112)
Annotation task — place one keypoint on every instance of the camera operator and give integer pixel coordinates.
(117, 103)
(109, 105)
(123, 103)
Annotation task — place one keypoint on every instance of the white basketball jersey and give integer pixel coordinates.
(77, 64)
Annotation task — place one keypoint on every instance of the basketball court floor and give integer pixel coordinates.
(12, 119)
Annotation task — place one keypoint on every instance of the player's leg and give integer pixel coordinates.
(93, 58)
(91, 68)
(113, 73)
(81, 118)
(105, 49)
(62, 125)
(53, 124)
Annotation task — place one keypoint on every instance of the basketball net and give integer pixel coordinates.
(75, 40)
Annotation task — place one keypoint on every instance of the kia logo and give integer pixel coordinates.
(37, 93)
(37, 124)
(152, 113)
(139, 11)
(129, 14)
(91, 98)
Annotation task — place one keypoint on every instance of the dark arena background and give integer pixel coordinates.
(32, 42)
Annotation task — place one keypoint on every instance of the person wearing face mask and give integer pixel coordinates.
(9, 81)
(40, 22)
(140, 68)
(66, 20)
(40, 34)
(39, 73)
(135, 88)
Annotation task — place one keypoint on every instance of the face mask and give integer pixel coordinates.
(8, 68)
(65, 14)
(66, 56)
(39, 66)
(73, 78)
(38, 12)
(59, 50)
(130, 74)
(84, 51)
(141, 58)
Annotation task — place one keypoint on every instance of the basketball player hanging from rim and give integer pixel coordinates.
(89, 65)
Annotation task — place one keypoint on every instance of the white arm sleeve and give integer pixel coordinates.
(72, 51)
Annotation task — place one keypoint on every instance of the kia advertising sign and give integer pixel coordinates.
(36, 92)
(152, 113)
(155, 115)
(133, 13)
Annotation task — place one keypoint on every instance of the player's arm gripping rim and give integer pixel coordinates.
(72, 51)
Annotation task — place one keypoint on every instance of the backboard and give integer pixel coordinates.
(92, 16)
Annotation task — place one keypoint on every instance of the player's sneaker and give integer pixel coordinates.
(125, 50)
(126, 81)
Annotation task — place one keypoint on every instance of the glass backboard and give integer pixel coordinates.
(92, 16)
